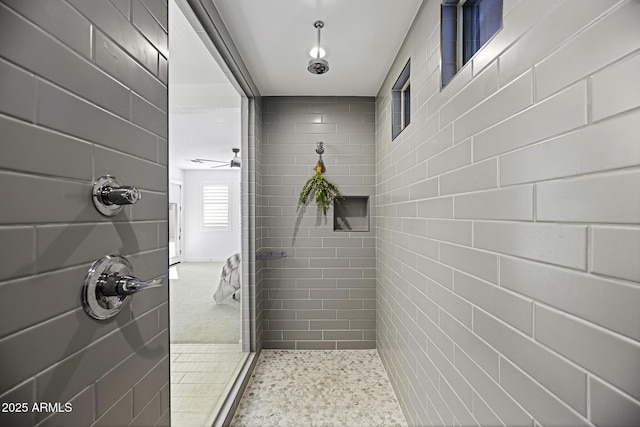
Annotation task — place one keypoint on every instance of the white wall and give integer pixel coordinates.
(508, 217)
(201, 244)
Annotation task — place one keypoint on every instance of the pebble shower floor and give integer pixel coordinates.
(317, 388)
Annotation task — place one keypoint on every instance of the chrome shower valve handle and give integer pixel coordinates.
(113, 285)
(109, 196)
(108, 285)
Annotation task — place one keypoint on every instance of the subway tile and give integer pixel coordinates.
(441, 207)
(154, 379)
(615, 252)
(560, 113)
(60, 20)
(159, 11)
(81, 414)
(435, 144)
(106, 17)
(17, 92)
(19, 258)
(610, 356)
(289, 325)
(621, 79)
(506, 102)
(478, 176)
(610, 144)
(610, 38)
(424, 189)
(301, 335)
(315, 325)
(67, 245)
(123, 6)
(609, 407)
(47, 57)
(605, 302)
(356, 345)
(516, 21)
(423, 246)
(472, 261)
(25, 139)
(480, 88)
(91, 123)
(147, 24)
(150, 413)
(279, 314)
(457, 156)
(543, 405)
(66, 199)
(72, 332)
(119, 64)
(560, 377)
(148, 117)
(110, 388)
(453, 231)
(131, 171)
(509, 307)
(316, 314)
(613, 197)
(549, 32)
(315, 345)
(483, 413)
(515, 203)
(495, 396)
(564, 245)
(34, 292)
(315, 128)
(436, 271)
(450, 302)
(121, 413)
(24, 393)
(474, 347)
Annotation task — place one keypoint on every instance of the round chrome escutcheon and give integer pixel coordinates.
(99, 306)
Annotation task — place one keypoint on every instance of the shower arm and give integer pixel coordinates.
(318, 25)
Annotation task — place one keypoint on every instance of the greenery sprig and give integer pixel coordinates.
(321, 189)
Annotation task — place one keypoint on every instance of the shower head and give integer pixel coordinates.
(318, 65)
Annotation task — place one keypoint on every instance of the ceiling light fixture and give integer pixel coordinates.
(318, 65)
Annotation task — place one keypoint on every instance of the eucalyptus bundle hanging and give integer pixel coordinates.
(321, 189)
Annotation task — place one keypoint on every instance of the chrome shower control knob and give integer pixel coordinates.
(119, 196)
(109, 196)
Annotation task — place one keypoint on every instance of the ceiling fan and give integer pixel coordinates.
(234, 163)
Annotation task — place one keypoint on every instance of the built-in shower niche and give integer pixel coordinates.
(351, 214)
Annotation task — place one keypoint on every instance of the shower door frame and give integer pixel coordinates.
(205, 19)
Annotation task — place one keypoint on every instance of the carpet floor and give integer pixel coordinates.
(194, 316)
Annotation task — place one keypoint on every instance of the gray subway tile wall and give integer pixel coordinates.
(83, 94)
(322, 295)
(507, 218)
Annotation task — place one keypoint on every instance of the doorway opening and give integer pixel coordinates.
(206, 111)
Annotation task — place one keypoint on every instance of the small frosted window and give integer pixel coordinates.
(401, 102)
(465, 27)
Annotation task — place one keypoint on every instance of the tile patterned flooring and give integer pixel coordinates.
(201, 376)
(319, 389)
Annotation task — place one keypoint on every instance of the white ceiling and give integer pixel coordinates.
(274, 37)
(204, 107)
(361, 37)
